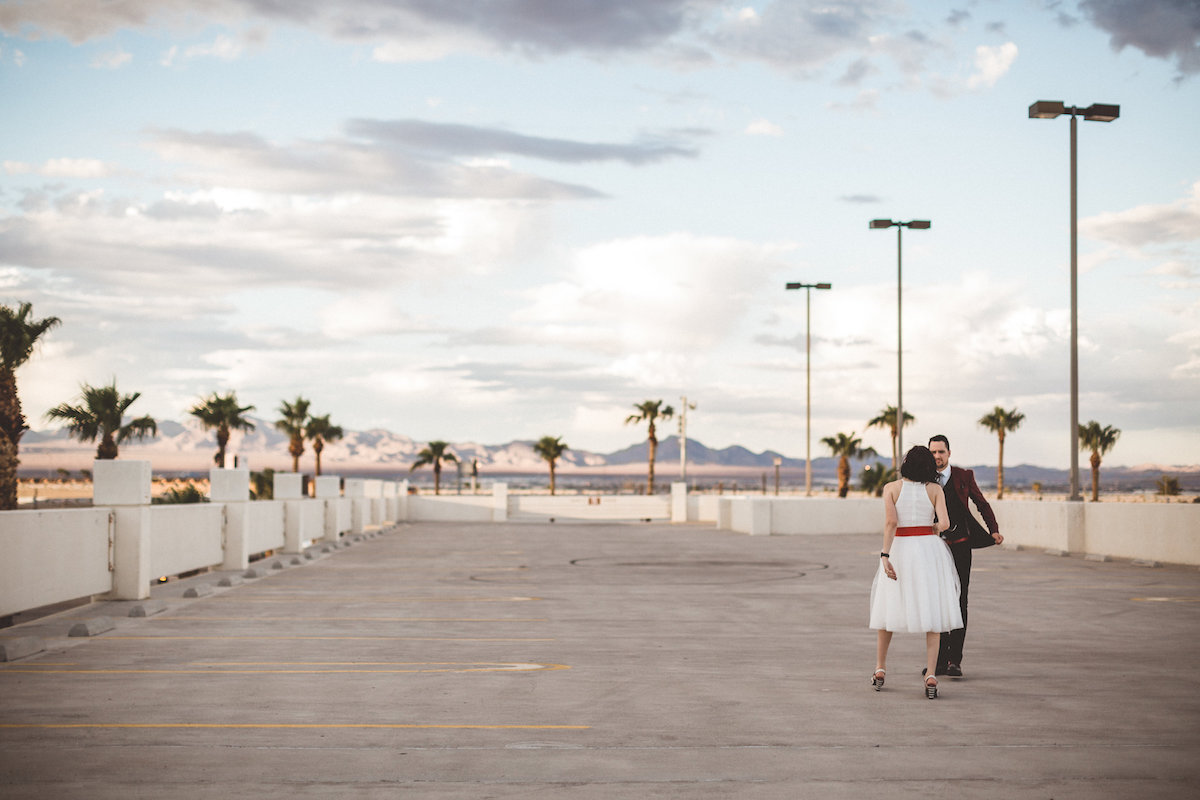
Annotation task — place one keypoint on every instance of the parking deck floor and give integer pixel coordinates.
(609, 661)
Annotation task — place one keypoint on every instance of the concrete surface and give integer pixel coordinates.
(609, 661)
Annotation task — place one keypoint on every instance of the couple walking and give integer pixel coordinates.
(922, 581)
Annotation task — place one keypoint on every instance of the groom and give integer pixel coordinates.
(965, 534)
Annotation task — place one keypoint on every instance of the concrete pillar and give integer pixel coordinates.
(327, 486)
(232, 487)
(328, 489)
(724, 514)
(391, 512)
(356, 492)
(760, 516)
(289, 486)
(373, 491)
(402, 491)
(125, 487)
(679, 502)
(1076, 528)
(500, 502)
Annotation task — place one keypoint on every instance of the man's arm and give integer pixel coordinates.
(981, 503)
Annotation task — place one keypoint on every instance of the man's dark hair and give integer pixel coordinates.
(919, 465)
(940, 438)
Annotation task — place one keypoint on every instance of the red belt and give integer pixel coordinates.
(917, 530)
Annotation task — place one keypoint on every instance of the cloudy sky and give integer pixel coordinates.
(496, 219)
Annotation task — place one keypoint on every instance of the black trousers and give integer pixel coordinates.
(951, 649)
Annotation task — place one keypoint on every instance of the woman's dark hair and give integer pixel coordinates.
(919, 465)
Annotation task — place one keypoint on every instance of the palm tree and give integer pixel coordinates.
(225, 415)
(550, 448)
(1001, 422)
(263, 484)
(846, 447)
(887, 419)
(1099, 440)
(18, 335)
(100, 416)
(294, 415)
(1168, 485)
(649, 411)
(320, 430)
(434, 453)
(874, 477)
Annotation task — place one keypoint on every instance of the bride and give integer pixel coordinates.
(916, 586)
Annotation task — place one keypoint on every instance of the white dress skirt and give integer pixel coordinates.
(924, 596)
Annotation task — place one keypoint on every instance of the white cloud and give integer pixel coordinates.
(677, 293)
(991, 64)
(1148, 225)
(763, 127)
(62, 168)
(114, 59)
(75, 168)
(224, 48)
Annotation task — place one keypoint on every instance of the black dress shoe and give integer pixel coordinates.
(954, 670)
(940, 670)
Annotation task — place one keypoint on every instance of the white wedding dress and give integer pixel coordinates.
(924, 596)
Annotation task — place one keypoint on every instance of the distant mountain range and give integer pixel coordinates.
(183, 448)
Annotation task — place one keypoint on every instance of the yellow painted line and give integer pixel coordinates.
(292, 725)
(340, 598)
(323, 638)
(318, 669)
(389, 568)
(511, 666)
(160, 618)
(1166, 599)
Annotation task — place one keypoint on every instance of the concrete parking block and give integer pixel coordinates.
(199, 590)
(92, 627)
(12, 648)
(147, 608)
(231, 580)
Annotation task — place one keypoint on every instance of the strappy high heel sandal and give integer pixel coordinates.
(877, 678)
(931, 688)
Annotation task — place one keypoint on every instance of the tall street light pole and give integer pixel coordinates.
(683, 409)
(920, 225)
(807, 287)
(1097, 112)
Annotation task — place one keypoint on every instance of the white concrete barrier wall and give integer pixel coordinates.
(313, 514)
(52, 556)
(1150, 531)
(266, 526)
(344, 511)
(450, 508)
(1039, 524)
(797, 515)
(530, 507)
(185, 537)
(1165, 532)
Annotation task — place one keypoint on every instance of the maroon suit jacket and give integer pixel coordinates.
(962, 483)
